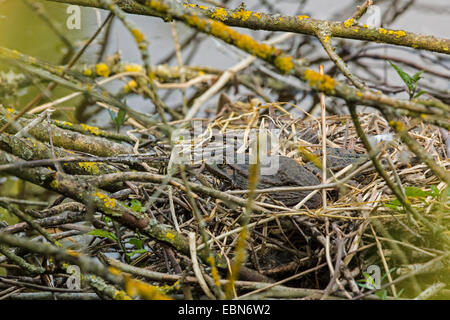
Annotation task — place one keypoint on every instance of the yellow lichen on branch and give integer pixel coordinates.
(90, 167)
(214, 271)
(220, 14)
(107, 201)
(91, 129)
(138, 36)
(242, 14)
(102, 70)
(397, 125)
(348, 23)
(130, 86)
(397, 34)
(302, 17)
(264, 51)
(138, 288)
(320, 82)
(157, 6)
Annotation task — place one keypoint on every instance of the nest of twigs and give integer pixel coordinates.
(289, 251)
(329, 248)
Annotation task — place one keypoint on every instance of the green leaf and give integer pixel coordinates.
(435, 191)
(394, 204)
(407, 79)
(381, 294)
(415, 192)
(140, 251)
(365, 286)
(112, 115)
(135, 205)
(138, 243)
(418, 94)
(120, 117)
(103, 234)
(417, 76)
(391, 206)
(389, 272)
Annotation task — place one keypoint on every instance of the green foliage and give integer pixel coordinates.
(135, 205)
(410, 81)
(106, 219)
(118, 118)
(103, 234)
(369, 283)
(416, 193)
(139, 251)
(138, 243)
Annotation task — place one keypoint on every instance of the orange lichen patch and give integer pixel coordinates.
(359, 94)
(355, 29)
(102, 70)
(87, 72)
(10, 110)
(138, 288)
(257, 15)
(320, 82)
(302, 17)
(189, 5)
(107, 201)
(284, 63)
(130, 86)
(326, 39)
(242, 14)
(138, 36)
(203, 7)
(445, 49)
(365, 26)
(90, 167)
(91, 129)
(348, 23)
(220, 13)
